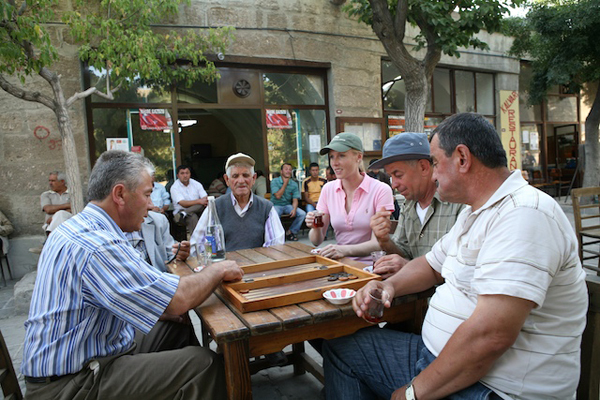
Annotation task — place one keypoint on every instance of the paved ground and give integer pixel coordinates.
(277, 383)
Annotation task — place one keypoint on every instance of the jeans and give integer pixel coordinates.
(309, 208)
(372, 363)
(300, 214)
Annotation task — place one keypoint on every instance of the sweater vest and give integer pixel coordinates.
(244, 232)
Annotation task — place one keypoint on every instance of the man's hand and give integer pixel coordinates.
(293, 213)
(203, 201)
(360, 302)
(184, 250)
(382, 225)
(388, 265)
(231, 271)
(157, 209)
(333, 251)
(399, 394)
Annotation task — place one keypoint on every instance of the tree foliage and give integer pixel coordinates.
(561, 40)
(128, 39)
(444, 27)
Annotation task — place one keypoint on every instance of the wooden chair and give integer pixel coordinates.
(587, 225)
(8, 378)
(558, 181)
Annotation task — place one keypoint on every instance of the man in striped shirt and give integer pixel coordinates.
(507, 319)
(93, 290)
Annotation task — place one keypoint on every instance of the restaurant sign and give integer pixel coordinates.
(510, 127)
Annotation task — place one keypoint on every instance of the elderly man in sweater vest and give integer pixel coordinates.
(248, 220)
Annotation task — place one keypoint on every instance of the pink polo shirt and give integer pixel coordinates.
(355, 228)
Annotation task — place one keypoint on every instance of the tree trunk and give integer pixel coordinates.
(591, 176)
(68, 146)
(417, 90)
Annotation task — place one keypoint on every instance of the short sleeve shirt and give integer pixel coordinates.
(519, 244)
(193, 191)
(292, 191)
(355, 227)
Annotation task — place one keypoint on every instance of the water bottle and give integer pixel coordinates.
(214, 239)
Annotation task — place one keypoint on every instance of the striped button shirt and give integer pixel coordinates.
(91, 291)
(414, 238)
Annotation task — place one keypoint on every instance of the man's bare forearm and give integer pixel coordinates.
(54, 208)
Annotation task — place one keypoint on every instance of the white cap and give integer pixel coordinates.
(239, 158)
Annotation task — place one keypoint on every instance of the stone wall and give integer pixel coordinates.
(303, 30)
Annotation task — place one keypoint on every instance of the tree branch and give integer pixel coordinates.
(400, 22)
(89, 92)
(26, 95)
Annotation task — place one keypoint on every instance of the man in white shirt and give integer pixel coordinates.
(507, 319)
(56, 202)
(189, 199)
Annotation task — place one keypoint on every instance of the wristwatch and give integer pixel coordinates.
(410, 391)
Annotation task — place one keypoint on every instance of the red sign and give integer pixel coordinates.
(155, 119)
(279, 119)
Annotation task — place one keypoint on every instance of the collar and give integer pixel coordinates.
(514, 182)
(60, 194)
(365, 185)
(102, 216)
(235, 202)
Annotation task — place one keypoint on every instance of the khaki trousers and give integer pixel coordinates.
(192, 372)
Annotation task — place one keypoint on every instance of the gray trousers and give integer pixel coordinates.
(194, 212)
(192, 372)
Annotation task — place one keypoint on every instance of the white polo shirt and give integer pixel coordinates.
(521, 244)
(193, 191)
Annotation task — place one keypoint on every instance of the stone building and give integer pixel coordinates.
(298, 72)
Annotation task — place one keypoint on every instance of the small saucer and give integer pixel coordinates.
(339, 296)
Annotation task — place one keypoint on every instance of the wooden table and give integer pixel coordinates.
(241, 336)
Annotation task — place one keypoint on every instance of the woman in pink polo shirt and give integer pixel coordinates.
(349, 202)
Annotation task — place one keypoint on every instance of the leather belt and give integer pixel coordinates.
(42, 379)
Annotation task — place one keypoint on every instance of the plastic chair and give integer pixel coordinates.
(587, 225)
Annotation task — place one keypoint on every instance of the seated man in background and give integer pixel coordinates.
(56, 202)
(507, 319)
(260, 185)
(154, 242)
(312, 187)
(285, 196)
(160, 197)
(6, 228)
(189, 199)
(425, 217)
(217, 187)
(80, 343)
(330, 174)
(248, 221)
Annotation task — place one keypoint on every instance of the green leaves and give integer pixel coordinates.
(122, 36)
(450, 24)
(25, 45)
(561, 39)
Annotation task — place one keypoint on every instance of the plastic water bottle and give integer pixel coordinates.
(214, 237)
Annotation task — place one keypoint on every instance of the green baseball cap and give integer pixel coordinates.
(343, 142)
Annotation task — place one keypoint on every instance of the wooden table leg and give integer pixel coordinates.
(298, 351)
(237, 370)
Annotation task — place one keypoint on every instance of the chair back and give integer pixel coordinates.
(586, 212)
(8, 378)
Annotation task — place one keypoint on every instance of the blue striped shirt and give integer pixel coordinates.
(92, 289)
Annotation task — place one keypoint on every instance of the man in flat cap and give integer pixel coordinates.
(425, 218)
(248, 221)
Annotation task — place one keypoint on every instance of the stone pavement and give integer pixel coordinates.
(276, 383)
